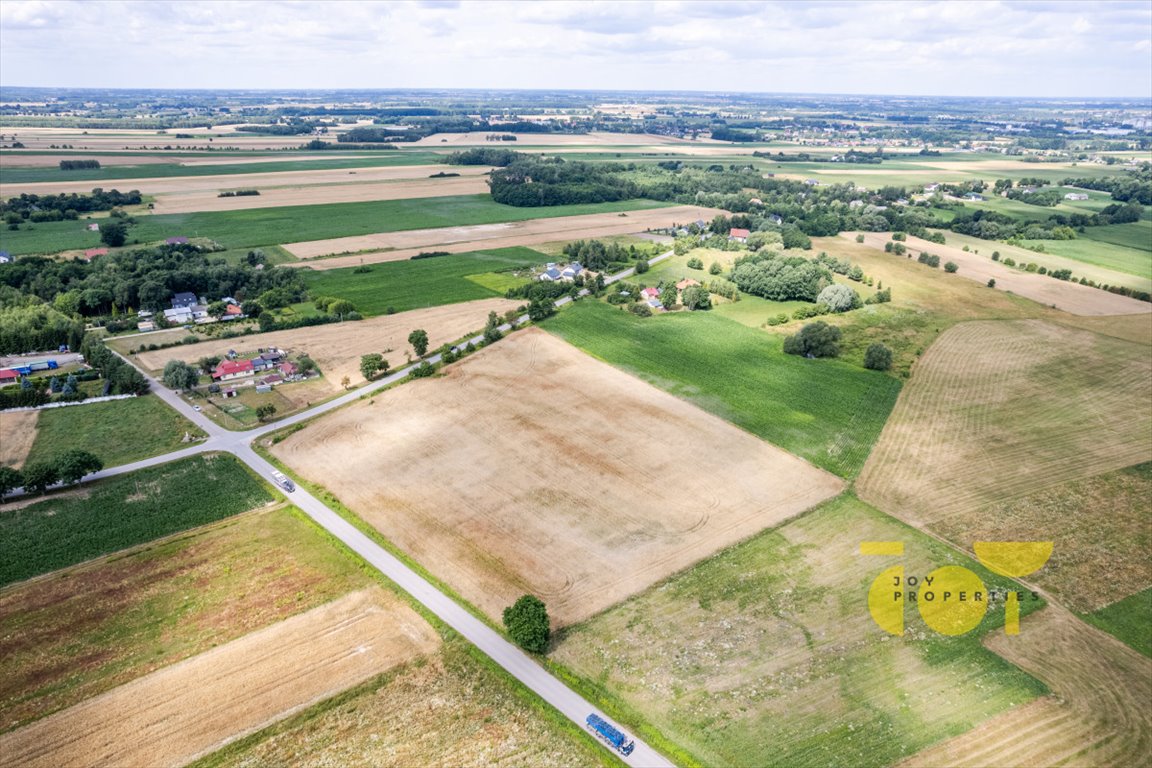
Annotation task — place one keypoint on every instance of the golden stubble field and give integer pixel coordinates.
(17, 433)
(337, 347)
(181, 712)
(1068, 296)
(397, 246)
(533, 468)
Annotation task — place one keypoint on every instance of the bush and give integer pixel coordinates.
(951, 267)
(991, 282)
(878, 357)
(859, 238)
(715, 269)
(816, 339)
(838, 298)
(779, 319)
(695, 263)
(527, 623)
(640, 310)
(995, 255)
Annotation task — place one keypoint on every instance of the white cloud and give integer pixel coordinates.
(879, 46)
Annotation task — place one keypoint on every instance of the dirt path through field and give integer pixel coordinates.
(404, 245)
(533, 467)
(1098, 715)
(17, 434)
(1068, 296)
(337, 347)
(194, 707)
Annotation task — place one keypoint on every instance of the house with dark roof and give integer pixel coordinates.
(184, 300)
(5, 257)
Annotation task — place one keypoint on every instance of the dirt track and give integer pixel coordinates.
(194, 707)
(17, 433)
(532, 467)
(337, 347)
(1070, 297)
(532, 231)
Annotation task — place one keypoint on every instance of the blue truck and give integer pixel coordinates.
(608, 732)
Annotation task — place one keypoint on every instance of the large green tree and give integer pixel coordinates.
(10, 480)
(419, 341)
(38, 476)
(816, 339)
(371, 363)
(179, 375)
(527, 623)
(74, 464)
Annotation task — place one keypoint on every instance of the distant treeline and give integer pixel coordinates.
(240, 193)
(485, 156)
(723, 133)
(79, 165)
(277, 129)
(851, 156)
(1137, 186)
(316, 145)
(58, 207)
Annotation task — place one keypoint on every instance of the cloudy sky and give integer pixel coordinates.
(969, 48)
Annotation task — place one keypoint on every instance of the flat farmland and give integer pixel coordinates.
(337, 347)
(85, 630)
(405, 285)
(999, 410)
(185, 202)
(555, 474)
(295, 223)
(188, 709)
(1070, 297)
(1098, 714)
(445, 709)
(282, 175)
(398, 245)
(765, 655)
(17, 434)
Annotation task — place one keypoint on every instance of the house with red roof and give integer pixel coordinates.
(686, 283)
(92, 253)
(232, 369)
(739, 235)
(9, 376)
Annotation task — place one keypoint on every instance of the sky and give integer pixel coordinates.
(1058, 48)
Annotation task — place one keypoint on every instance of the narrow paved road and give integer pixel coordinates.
(571, 704)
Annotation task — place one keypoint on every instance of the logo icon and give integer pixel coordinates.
(952, 599)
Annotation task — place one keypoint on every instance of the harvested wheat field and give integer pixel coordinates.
(997, 410)
(262, 181)
(1067, 296)
(17, 433)
(337, 347)
(189, 709)
(597, 138)
(532, 467)
(1098, 715)
(278, 197)
(470, 238)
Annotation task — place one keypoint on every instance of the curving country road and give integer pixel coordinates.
(516, 662)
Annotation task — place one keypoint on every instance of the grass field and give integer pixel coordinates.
(998, 410)
(88, 629)
(826, 411)
(272, 226)
(118, 431)
(445, 709)
(124, 511)
(405, 285)
(1128, 620)
(17, 175)
(766, 654)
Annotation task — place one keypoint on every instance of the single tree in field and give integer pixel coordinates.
(113, 233)
(527, 623)
(38, 476)
(878, 357)
(419, 341)
(265, 412)
(951, 266)
(371, 363)
(10, 480)
(816, 339)
(344, 382)
(74, 463)
(695, 297)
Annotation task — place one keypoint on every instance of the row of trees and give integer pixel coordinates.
(67, 206)
(120, 377)
(68, 468)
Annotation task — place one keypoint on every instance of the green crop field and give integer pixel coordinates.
(69, 637)
(1128, 620)
(118, 431)
(1119, 258)
(124, 511)
(257, 227)
(17, 175)
(826, 411)
(412, 284)
(766, 653)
